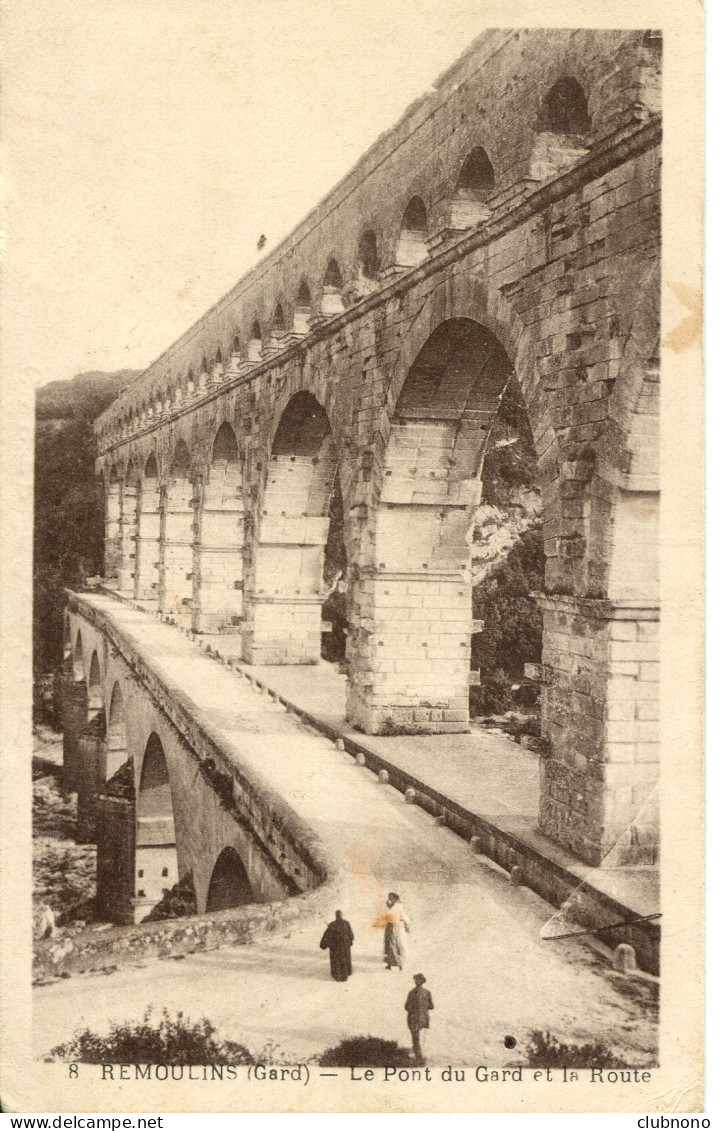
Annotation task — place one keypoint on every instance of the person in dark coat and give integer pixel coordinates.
(338, 939)
(418, 1005)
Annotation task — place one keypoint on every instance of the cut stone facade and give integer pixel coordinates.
(390, 380)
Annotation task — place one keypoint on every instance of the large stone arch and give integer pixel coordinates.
(113, 518)
(148, 540)
(156, 861)
(283, 610)
(412, 607)
(178, 536)
(129, 527)
(219, 557)
(465, 295)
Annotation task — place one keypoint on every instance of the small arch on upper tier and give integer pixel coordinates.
(563, 129)
(225, 446)
(412, 244)
(332, 299)
(303, 309)
(255, 344)
(368, 261)
(565, 108)
(475, 184)
(278, 323)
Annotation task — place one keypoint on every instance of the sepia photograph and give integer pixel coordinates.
(348, 609)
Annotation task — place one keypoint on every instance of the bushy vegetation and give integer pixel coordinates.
(68, 507)
(171, 1040)
(512, 631)
(367, 1052)
(544, 1050)
(510, 462)
(335, 575)
(177, 903)
(122, 783)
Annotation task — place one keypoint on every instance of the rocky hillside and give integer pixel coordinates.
(508, 564)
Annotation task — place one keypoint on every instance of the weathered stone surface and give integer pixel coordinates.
(219, 462)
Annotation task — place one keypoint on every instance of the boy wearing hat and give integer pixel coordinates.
(418, 1005)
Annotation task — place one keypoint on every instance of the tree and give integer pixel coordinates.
(68, 544)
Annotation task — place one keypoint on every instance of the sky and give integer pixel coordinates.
(151, 143)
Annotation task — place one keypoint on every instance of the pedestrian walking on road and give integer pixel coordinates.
(418, 1005)
(338, 938)
(391, 919)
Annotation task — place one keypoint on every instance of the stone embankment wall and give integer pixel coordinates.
(95, 950)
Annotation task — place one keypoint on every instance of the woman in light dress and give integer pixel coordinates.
(394, 916)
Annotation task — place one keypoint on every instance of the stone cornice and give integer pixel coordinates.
(598, 608)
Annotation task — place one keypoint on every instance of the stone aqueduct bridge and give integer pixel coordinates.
(505, 234)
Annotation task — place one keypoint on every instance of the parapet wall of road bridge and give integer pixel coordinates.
(506, 234)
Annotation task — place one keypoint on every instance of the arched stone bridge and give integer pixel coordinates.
(504, 236)
(159, 784)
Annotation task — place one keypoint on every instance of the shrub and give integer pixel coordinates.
(367, 1052)
(512, 633)
(177, 903)
(545, 1051)
(170, 1041)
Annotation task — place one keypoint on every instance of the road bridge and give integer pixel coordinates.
(304, 828)
(502, 241)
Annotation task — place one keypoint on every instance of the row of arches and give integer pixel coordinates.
(564, 129)
(218, 557)
(181, 541)
(409, 502)
(153, 871)
(280, 569)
